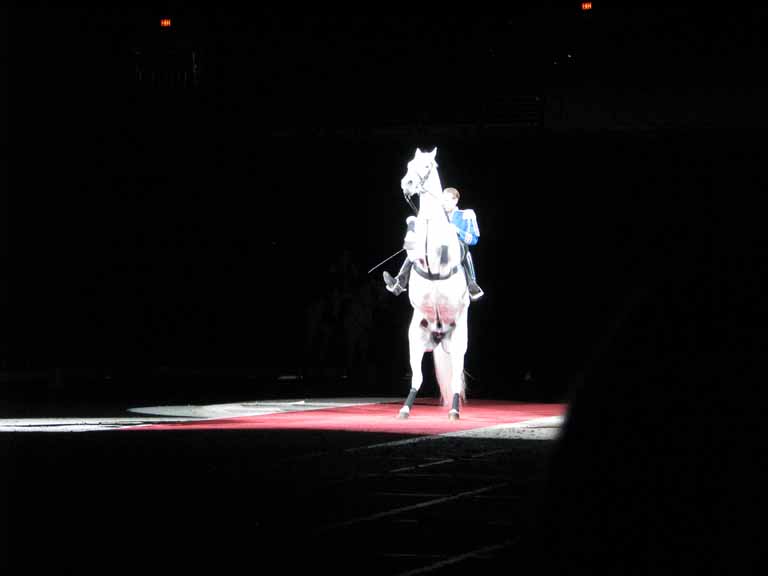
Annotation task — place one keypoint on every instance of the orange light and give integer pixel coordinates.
(586, 6)
(165, 22)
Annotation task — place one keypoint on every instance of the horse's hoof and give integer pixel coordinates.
(453, 415)
(403, 414)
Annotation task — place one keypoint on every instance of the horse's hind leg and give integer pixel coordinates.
(458, 351)
(457, 382)
(416, 348)
(405, 411)
(453, 414)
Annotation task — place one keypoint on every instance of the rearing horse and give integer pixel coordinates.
(437, 287)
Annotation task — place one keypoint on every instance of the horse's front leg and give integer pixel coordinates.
(416, 352)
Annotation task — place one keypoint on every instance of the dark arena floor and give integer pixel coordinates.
(280, 485)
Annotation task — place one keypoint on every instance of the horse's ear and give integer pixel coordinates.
(418, 151)
(433, 153)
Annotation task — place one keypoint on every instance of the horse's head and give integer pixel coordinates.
(422, 171)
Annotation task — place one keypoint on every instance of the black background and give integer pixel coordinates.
(161, 231)
(168, 241)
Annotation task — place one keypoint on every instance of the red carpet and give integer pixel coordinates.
(424, 419)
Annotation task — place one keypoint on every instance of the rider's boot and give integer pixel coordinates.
(475, 292)
(398, 284)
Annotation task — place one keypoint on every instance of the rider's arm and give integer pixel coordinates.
(465, 222)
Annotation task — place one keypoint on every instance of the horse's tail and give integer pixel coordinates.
(443, 373)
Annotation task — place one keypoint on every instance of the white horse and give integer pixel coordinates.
(437, 287)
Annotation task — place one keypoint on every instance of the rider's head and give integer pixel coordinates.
(450, 199)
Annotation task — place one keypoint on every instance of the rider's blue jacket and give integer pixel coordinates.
(465, 222)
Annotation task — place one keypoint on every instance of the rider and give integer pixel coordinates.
(465, 223)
